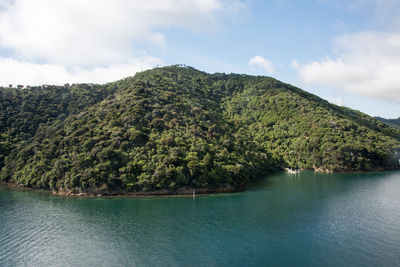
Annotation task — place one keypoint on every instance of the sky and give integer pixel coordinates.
(345, 51)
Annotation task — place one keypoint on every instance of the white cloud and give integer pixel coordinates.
(26, 73)
(368, 63)
(261, 62)
(102, 34)
(96, 32)
(335, 100)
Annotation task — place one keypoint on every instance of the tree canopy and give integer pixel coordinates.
(175, 127)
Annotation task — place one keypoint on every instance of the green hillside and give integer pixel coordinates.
(177, 127)
(395, 123)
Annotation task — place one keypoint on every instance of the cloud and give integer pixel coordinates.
(335, 100)
(261, 62)
(99, 34)
(368, 64)
(16, 72)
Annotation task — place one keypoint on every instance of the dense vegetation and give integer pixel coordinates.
(176, 127)
(391, 122)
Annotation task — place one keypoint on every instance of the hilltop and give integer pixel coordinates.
(177, 127)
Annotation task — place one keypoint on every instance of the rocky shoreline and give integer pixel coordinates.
(182, 191)
(157, 193)
(179, 192)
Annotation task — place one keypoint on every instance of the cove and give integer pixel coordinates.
(310, 219)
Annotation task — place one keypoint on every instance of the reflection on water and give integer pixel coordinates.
(285, 220)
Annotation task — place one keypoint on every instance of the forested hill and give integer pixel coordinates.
(391, 122)
(176, 127)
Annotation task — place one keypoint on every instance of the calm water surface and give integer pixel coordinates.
(283, 220)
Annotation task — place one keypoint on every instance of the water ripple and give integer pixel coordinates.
(312, 220)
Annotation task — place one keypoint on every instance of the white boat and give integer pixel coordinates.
(291, 171)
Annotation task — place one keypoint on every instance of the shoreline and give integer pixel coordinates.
(187, 192)
(181, 192)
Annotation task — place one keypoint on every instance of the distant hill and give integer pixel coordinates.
(391, 122)
(177, 127)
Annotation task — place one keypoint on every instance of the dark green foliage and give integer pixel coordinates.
(22, 111)
(178, 127)
(395, 123)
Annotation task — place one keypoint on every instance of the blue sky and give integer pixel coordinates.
(347, 52)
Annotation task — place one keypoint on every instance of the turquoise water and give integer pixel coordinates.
(282, 220)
